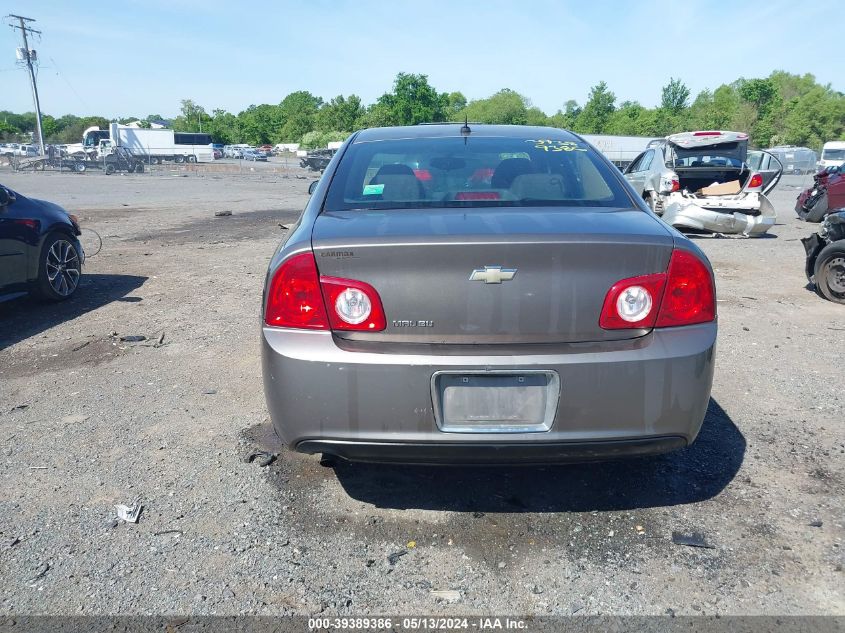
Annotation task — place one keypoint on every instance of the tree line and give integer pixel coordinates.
(781, 109)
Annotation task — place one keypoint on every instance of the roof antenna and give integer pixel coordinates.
(465, 131)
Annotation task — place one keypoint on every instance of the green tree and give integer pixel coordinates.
(297, 112)
(259, 124)
(192, 117)
(412, 101)
(600, 106)
(566, 117)
(455, 103)
(340, 113)
(675, 96)
(505, 107)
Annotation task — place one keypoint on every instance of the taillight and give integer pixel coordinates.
(690, 296)
(477, 195)
(353, 305)
(299, 298)
(632, 303)
(294, 299)
(755, 182)
(684, 295)
(708, 133)
(676, 185)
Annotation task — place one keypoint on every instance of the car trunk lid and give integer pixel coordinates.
(466, 276)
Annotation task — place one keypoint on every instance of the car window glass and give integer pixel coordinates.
(646, 161)
(635, 165)
(473, 172)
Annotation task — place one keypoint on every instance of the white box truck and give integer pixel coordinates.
(153, 146)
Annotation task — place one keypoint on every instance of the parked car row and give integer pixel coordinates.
(247, 152)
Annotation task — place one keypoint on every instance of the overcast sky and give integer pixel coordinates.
(141, 57)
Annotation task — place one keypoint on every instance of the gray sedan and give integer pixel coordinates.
(484, 294)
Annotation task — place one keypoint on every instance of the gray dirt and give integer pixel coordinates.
(88, 421)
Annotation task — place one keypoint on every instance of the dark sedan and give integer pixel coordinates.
(39, 248)
(484, 294)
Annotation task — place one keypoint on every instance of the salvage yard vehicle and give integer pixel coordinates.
(825, 264)
(151, 145)
(318, 159)
(708, 181)
(39, 248)
(833, 155)
(420, 313)
(827, 192)
(795, 160)
(253, 155)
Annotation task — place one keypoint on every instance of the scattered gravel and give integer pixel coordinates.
(88, 421)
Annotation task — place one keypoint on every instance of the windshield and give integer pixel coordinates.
(473, 172)
(833, 154)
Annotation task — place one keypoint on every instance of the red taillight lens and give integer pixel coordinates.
(294, 299)
(422, 174)
(708, 133)
(353, 305)
(676, 185)
(690, 296)
(756, 181)
(684, 295)
(632, 303)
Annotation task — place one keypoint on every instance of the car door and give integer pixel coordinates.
(635, 173)
(767, 165)
(16, 234)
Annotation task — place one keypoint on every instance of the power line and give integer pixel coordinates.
(26, 55)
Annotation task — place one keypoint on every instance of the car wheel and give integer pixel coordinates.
(139, 168)
(830, 272)
(191, 158)
(109, 170)
(60, 268)
(179, 159)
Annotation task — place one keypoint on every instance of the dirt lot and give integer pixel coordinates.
(88, 421)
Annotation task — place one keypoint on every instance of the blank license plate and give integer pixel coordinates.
(496, 402)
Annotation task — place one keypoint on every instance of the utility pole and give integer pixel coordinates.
(27, 57)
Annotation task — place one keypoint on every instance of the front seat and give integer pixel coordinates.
(400, 183)
(508, 169)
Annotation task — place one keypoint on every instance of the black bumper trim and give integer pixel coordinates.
(491, 453)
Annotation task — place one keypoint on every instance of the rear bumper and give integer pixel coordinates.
(644, 396)
(490, 453)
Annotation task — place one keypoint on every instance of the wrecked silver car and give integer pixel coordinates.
(708, 181)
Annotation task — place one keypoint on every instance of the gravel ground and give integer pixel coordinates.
(88, 421)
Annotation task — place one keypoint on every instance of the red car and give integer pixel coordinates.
(826, 194)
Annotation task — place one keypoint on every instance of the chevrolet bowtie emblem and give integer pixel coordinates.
(492, 274)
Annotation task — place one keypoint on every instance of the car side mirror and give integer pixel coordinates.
(312, 187)
(6, 197)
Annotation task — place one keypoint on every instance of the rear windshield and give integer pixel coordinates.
(833, 154)
(712, 161)
(473, 172)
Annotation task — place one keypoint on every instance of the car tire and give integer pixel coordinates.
(816, 212)
(179, 159)
(109, 170)
(59, 267)
(829, 273)
(139, 168)
(191, 158)
(79, 167)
